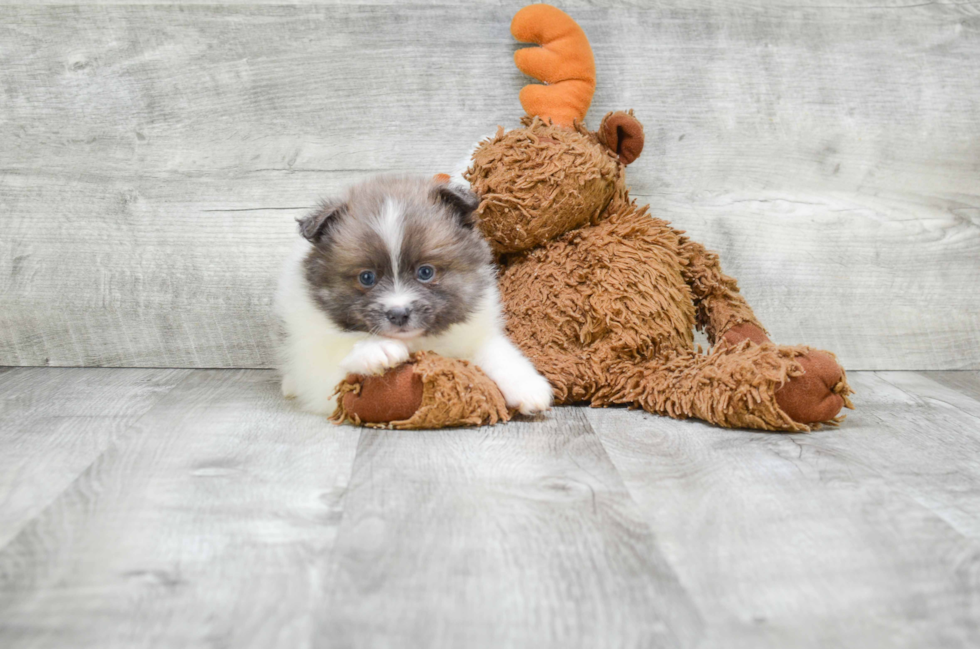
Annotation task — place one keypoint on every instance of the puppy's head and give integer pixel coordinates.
(397, 257)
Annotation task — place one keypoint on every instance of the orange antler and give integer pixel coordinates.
(564, 62)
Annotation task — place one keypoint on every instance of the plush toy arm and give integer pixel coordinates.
(817, 390)
(720, 306)
(429, 391)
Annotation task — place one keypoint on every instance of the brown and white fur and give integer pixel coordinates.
(386, 230)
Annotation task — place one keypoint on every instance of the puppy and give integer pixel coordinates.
(396, 266)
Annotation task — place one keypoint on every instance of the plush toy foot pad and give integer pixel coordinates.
(819, 394)
(429, 391)
(813, 396)
(394, 396)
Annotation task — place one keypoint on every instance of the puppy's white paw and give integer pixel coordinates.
(375, 356)
(529, 392)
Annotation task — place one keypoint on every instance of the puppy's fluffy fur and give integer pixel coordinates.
(394, 267)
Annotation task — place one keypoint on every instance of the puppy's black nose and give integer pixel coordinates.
(398, 315)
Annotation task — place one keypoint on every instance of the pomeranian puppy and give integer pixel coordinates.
(396, 266)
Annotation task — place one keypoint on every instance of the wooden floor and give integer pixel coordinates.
(196, 508)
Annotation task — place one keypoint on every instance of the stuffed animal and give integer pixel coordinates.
(601, 296)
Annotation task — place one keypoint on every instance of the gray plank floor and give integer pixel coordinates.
(196, 508)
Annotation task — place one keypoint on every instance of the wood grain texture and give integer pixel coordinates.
(863, 536)
(967, 383)
(943, 474)
(57, 423)
(514, 536)
(198, 527)
(206, 511)
(152, 159)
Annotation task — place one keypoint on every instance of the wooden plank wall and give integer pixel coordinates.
(153, 158)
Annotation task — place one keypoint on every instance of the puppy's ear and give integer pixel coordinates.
(316, 227)
(460, 200)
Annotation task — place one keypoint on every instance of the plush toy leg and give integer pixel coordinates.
(429, 391)
(734, 387)
(809, 398)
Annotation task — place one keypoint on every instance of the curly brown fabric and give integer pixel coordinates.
(719, 304)
(612, 290)
(540, 181)
(733, 387)
(454, 393)
(606, 313)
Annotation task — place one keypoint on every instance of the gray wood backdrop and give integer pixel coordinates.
(153, 158)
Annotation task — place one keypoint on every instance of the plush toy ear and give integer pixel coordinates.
(316, 226)
(622, 133)
(460, 200)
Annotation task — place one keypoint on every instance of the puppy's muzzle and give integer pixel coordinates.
(398, 316)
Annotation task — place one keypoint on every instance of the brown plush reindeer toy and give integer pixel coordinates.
(602, 297)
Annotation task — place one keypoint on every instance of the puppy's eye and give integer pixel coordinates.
(425, 273)
(367, 278)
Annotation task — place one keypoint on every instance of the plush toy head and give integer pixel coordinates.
(552, 175)
(540, 181)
